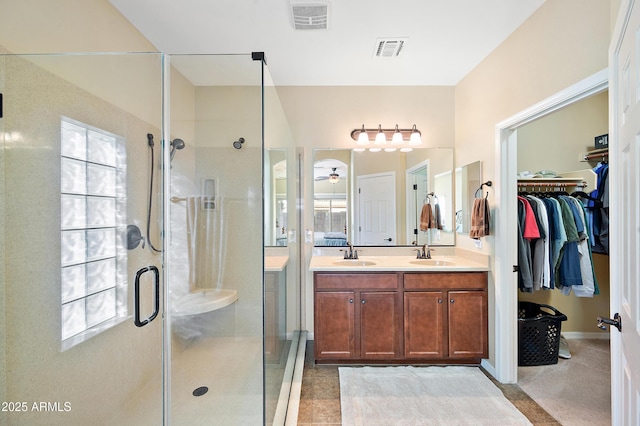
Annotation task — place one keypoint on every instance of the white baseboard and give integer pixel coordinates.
(573, 335)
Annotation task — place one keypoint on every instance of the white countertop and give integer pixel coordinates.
(396, 263)
(275, 263)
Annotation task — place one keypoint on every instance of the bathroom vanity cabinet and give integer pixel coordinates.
(359, 316)
(401, 317)
(445, 315)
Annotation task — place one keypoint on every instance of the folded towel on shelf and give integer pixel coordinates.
(479, 219)
(426, 217)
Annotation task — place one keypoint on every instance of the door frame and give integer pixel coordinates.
(505, 190)
(411, 213)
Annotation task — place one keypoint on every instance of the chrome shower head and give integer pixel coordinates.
(176, 144)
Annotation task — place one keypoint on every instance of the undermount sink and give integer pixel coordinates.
(432, 262)
(354, 262)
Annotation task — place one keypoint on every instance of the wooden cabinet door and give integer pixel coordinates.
(468, 324)
(380, 325)
(334, 324)
(424, 328)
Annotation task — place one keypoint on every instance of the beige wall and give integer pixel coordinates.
(42, 26)
(563, 42)
(323, 117)
(559, 140)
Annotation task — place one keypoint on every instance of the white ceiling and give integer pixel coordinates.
(446, 38)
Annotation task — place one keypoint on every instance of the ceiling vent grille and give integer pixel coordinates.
(310, 15)
(389, 47)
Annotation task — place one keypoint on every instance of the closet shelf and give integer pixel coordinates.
(553, 182)
(595, 154)
(578, 178)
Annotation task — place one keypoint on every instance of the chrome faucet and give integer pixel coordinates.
(351, 253)
(424, 253)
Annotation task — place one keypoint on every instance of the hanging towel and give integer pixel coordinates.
(193, 204)
(479, 219)
(426, 217)
(437, 217)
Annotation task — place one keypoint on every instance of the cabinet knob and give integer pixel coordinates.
(350, 300)
(439, 300)
(363, 301)
(451, 300)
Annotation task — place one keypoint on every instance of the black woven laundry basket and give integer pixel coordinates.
(538, 334)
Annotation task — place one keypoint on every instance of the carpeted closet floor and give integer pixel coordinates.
(320, 394)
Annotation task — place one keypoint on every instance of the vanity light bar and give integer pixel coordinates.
(396, 136)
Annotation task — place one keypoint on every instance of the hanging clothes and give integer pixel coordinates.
(554, 249)
(598, 210)
(525, 278)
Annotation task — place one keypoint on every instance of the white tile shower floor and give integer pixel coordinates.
(231, 367)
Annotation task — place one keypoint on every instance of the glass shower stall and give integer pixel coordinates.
(149, 263)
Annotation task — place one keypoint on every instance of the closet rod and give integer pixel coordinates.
(553, 184)
(592, 156)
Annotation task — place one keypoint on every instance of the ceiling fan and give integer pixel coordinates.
(332, 177)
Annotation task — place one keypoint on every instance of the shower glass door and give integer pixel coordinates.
(80, 296)
(214, 258)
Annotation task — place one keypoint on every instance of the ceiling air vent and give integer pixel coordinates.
(389, 47)
(310, 15)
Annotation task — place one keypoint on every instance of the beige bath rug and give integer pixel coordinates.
(423, 396)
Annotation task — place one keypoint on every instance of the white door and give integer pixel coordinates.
(624, 174)
(376, 209)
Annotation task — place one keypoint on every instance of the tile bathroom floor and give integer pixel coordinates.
(320, 396)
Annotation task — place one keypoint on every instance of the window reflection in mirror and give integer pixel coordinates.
(330, 189)
(468, 180)
(395, 206)
(276, 225)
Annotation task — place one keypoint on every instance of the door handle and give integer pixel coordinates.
(616, 322)
(156, 286)
(387, 239)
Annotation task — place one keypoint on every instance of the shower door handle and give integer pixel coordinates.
(156, 309)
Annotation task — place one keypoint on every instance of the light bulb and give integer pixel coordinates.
(363, 137)
(397, 137)
(415, 138)
(381, 139)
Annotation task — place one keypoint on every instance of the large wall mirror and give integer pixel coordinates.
(384, 198)
(276, 208)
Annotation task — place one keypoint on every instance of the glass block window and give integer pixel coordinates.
(93, 213)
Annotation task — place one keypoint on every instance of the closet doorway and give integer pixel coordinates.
(506, 212)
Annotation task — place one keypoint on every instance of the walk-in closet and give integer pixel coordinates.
(559, 164)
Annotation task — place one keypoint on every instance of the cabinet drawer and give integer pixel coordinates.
(327, 281)
(459, 280)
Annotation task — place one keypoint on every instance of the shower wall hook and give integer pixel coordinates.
(487, 183)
